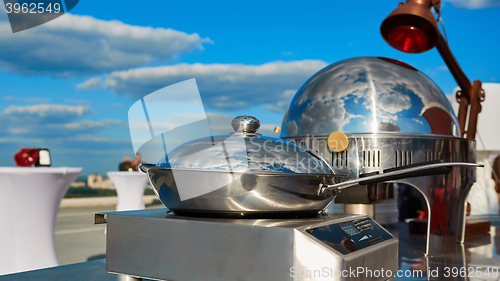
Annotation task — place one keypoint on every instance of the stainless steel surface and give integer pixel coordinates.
(394, 116)
(369, 95)
(244, 193)
(270, 192)
(366, 209)
(371, 152)
(481, 252)
(386, 176)
(245, 124)
(445, 195)
(246, 152)
(479, 256)
(254, 175)
(121, 277)
(169, 247)
(264, 192)
(240, 174)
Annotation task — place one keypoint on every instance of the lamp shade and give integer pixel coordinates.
(411, 27)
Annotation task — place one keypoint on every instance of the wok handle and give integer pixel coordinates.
(144, 167)
(410, 171)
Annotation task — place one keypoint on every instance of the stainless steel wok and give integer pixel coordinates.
(248, 175)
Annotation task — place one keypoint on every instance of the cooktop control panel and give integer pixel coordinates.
(350, 236)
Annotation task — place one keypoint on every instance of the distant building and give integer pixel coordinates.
(78, 184)
(97, 181)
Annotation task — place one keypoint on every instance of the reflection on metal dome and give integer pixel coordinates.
(245, 151)
(369, 95)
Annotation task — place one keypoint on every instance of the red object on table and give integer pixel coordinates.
(422, 215)
(26, 157)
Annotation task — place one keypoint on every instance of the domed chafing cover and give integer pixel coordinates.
(369, 95)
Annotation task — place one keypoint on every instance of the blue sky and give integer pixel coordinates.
(67, 85)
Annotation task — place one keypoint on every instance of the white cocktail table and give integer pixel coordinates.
(130, 189)
(29, 202)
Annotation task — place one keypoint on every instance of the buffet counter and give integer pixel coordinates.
(480, 255)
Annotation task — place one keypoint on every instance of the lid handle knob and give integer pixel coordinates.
(248, 124)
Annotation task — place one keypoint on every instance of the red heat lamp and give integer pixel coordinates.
(411, 27)
(408, 39)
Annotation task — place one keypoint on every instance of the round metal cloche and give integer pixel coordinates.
(369, 95)
(245, 151)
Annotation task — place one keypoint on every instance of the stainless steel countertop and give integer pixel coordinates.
(478, 251)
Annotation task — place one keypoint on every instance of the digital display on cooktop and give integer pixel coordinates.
(350, 236)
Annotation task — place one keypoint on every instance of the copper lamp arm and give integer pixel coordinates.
(470, 94)
(455, 69)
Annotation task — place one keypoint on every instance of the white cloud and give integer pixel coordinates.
(474, 4)
(282, 104)
(94, 139)
(46, 111)
(86, 124)
(222, 86)
(18, 131)
(93, 83)
(81, 45)
(26, 99)
(393, 103)
(50, 121)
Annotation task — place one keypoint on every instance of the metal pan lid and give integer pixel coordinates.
(246, 151)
